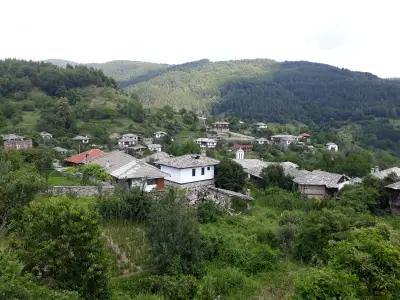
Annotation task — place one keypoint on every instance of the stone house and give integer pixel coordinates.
(332, 147)
(16, 142)
(220, 126)
(82, 139)
(160, 134)
(320, 184)
(154, 147)
(127, 140)
(206, 143)
(130, 171)
(394, 197)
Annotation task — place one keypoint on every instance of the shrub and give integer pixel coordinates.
(328, 283)
(208, 212)
(239, 205)
(223, 282)
(171, 287)
(59, 241)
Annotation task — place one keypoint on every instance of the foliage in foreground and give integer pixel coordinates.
(59, 243)
(15, 284)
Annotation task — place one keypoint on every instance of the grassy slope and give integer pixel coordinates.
(122, 70)
(197, 86)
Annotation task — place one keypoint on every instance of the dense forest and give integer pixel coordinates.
(311, 92)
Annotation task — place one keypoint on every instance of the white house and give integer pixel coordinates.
(189, 170)
(154, 147)
(261, 126)
(127, 140)
(45, 135)
(82, 139)
(261, 141)
(332, 147)
(284, 139)
(160, 134)
(206, 143)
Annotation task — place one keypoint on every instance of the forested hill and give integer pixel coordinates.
(17, 76)
(311, 92)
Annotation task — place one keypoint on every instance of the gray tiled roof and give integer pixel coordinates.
(11, 137)
(384, 173)
(156, 156)
(317, 177)
(394, 186)
(188, 161)
(124, 166)
(255, 166)
(231, 193)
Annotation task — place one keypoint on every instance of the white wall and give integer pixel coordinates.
(185, 175)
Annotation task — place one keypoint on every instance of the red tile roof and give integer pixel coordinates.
(84, 157)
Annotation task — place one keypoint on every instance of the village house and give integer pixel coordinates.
(127, 140)
(261, 126)
(131, 172)
(320, 184)
(332, 147)
(206, 143)
(305, 137)
(254, 167)
(16, 142)
(154, 147)
(45, 135)
(394, 197)
(382, 174)
(82, 139)
(261, 141)
(189, 170)
(220, 126)
(284, 140)
(155, 157)
(84, 157)
(61, 150)
(160, 134)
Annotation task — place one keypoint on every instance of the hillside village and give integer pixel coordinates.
(131, 163)
(103, 196)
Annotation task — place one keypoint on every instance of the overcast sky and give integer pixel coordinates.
(359, 35)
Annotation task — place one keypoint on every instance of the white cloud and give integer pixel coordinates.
(360, 35)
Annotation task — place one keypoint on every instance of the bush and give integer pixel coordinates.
(327, 283)
(127, 205)
(230, 175)
(171, 287)
(59, 241)
(223, 282)
(239, 205)
(208, 212)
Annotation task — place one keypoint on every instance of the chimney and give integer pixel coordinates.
(240, 154)
(108, 165)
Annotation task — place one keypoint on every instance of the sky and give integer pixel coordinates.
(353, 34)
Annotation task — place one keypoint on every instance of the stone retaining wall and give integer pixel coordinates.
(80, 191)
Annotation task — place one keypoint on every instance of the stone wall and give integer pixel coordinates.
(80, 191)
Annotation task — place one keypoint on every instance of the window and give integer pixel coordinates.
(208, 168)
(193, 172)
(202, 171)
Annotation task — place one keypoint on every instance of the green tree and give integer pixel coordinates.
(369, 254)
(15, 284)
(173, 232)
(230, 175)
(59, 242)
(274, 175)
(18, 185)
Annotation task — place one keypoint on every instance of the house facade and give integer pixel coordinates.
(45, 135)
(160, 134)
(189, 170)
(127, 140)
(261, 141)
(206, 143)
(284, 140)
(220, 126)
(332, 147)
(154, 147)
(16, 142)
(82, 139)
(320, 184)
